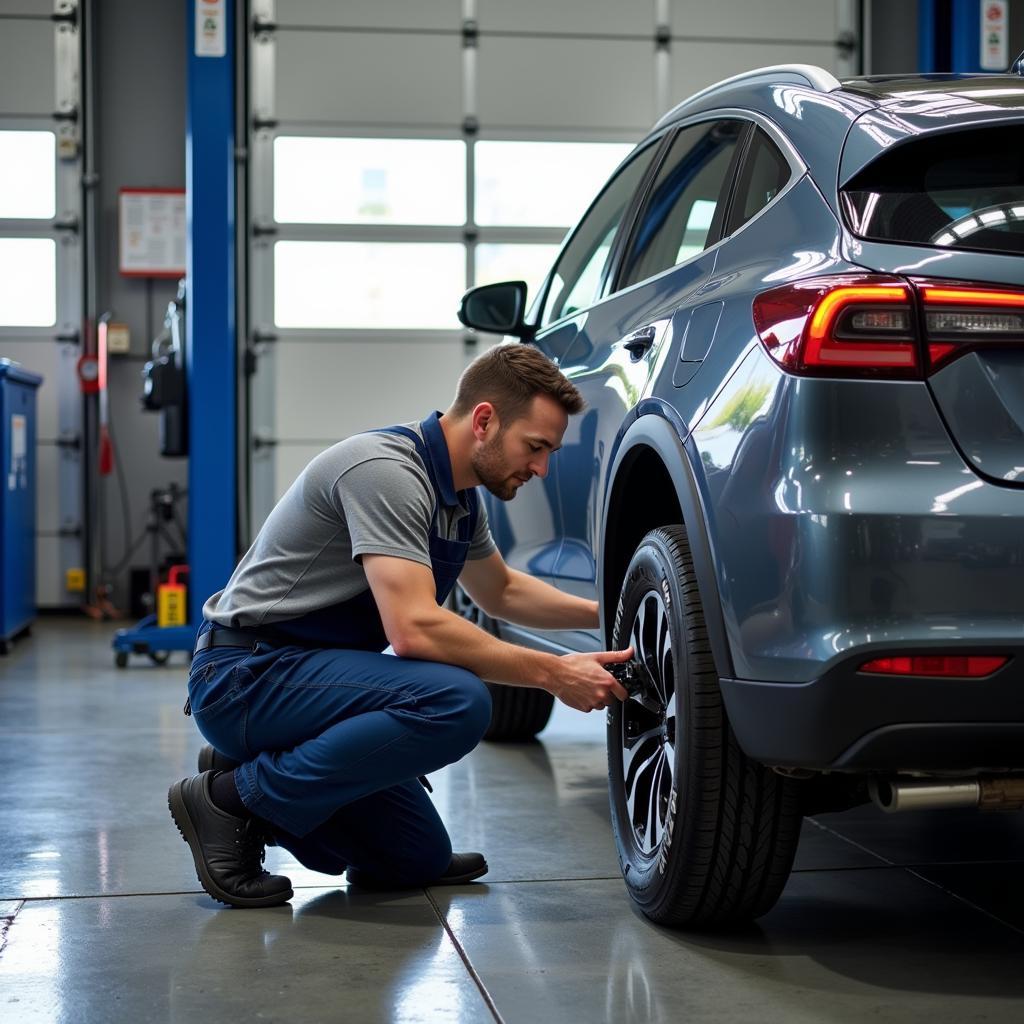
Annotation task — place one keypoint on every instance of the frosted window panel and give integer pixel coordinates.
(395, 285)
(28, 282)
(515, 262)
(369, 181)
(541, 183)
(28, 183)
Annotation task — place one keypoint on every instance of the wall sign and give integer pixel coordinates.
(152, 232)
(994, 18)
(210, 28)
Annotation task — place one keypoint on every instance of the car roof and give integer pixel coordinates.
(816, 112)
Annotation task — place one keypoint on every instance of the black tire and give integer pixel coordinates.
(159, 657)
(723, 829)
(518, 713)
(121, 659)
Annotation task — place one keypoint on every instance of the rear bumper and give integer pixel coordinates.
(851, 721)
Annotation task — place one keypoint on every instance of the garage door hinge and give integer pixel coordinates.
(663, 37)
(261, 335)
(70, 337)
(259, 441)
(470, 33)
(68, 223)
(65, 10)
(69, 440)
(846, 44)
(263, 122)
(261, 23)
(70, 531)
(260, 228)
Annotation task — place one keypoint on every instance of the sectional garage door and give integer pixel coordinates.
(41, 261)
(403, 152)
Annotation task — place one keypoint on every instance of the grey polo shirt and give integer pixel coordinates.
(368, 494)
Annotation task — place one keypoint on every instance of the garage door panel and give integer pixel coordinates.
(49, 465)
(438, 14)
(566, 83)
(695, 66)
(329, 390)
(368, 78)
(30, 8)
(764, 20)
(26, 68)
(46, 358)
(603, 17)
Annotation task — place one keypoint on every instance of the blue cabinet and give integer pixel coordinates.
(17, 499)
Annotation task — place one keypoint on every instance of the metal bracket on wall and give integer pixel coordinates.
(67, 63)
(261, 228)
(261, 81)
(66, 11)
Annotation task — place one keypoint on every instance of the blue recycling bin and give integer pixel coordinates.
(17, 500)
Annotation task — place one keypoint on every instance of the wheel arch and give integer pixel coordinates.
(650, 453)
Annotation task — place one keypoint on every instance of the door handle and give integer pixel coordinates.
(639, 342)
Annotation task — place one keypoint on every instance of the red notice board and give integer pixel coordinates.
(152, 232)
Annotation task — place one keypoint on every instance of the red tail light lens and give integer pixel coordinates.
(857, 325)
(958, 318)
(961, 666)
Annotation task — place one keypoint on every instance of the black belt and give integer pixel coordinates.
(232, 638)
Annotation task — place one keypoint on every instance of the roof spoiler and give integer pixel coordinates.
(1017, 67)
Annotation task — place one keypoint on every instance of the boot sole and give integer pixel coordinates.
(180, 815)
(468, 876)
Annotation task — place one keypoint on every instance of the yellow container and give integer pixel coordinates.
(171, 599)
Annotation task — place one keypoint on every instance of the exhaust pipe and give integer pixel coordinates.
(989, 794)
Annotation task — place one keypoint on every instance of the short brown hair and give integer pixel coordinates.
(510, 376)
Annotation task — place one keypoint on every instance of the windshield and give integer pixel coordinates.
(956, 190)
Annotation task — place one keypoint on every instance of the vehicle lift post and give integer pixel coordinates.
(210, 343)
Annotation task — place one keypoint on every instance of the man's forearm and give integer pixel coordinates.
(442, 635)
(527, 601)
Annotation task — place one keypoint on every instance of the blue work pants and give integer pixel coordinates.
(332, 742)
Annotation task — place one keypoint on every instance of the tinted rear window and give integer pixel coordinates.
(958, 190)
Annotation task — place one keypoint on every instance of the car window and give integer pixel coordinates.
(578, 276)
(685, 200)
(765, 174)
(956, 190)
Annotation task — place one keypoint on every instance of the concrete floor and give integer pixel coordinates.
(911, 918)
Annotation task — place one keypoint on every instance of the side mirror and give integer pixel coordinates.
(496, 308)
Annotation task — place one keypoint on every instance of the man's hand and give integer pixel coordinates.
(583, 683)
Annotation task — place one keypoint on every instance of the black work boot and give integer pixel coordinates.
(211, 760)
(214, 760)
(228, 851)
(464, 867)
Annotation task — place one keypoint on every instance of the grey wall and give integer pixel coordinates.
(140, 97)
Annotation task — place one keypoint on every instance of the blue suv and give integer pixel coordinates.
(795, 313)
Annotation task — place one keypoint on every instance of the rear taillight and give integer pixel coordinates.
(959, 666)
(871, 326)
(859, 325)
(958, 318)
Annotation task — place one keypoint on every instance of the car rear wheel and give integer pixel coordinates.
(518, 713)
(705, 836)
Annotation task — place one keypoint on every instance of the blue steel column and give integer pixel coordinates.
(211, 351)
(965, 33)
(926, 36)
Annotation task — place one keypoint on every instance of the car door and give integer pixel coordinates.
(528, 530)
(661, 280)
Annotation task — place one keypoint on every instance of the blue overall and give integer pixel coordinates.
(332, 734)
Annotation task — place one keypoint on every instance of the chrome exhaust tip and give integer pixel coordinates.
(1005, 793)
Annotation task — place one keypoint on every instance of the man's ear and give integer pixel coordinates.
(484, 421)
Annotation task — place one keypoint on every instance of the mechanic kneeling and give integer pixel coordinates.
(317, 737)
